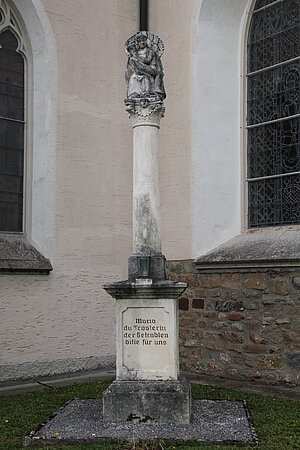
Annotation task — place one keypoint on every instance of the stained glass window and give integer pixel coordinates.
(273, 114)
(11, 133)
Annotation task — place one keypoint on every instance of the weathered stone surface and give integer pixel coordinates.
(237, 326)
(255, 281)
(270, 362)
(211, 281)
(234, 315)
(209, 314)
(232, 281)
(201, 293)
(147, 402)
(280, 287)
(214, 344)
(190, 280)
(267, 320)
(218, 325)
(253, 325)
(251, 373)
(255, 348)
(192, 343)
(296, 281)
(230, 294)
(252, 306)
(270, 325)
(295, 360)
(291, 339)
(231, 337)
(222, 316)
(257, 248)
(282, 321)
(229, 305)
(257, 339)
(269, 299)
(18, 255)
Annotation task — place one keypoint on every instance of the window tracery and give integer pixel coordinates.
(12, 121)
(273, 116)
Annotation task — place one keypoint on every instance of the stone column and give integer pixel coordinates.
(148, 387)
(145, 115)
(145, 118)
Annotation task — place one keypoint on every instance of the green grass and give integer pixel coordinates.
(277, 421)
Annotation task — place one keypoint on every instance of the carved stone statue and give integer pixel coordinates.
(144, 72)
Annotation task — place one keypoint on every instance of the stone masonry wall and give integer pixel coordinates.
(243, 325)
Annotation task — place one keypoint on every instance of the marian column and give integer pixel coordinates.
(144, 103)
(148, 387)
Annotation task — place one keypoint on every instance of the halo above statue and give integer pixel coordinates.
(153, 42)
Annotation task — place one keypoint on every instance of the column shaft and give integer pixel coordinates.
(146, 214)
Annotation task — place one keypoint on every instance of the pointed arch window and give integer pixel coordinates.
(12, 123)
(273, 114)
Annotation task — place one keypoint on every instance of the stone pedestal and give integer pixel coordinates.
(148, 387)
(148, 402)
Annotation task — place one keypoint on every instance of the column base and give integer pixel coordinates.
(147, 401)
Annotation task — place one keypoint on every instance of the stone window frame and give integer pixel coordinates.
(17, 253)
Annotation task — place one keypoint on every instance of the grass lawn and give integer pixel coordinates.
(277, 421)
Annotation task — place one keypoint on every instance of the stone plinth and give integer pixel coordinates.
(148, 385)
(147, 402)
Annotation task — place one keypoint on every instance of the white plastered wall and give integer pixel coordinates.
(172, 21)
(80, 213)
(217, 115)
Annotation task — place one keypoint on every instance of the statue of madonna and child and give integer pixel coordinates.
(144, 72)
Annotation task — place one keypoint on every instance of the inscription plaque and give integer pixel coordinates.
(147, 338)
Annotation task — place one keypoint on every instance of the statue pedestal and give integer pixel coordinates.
(148, 387)
(147, 402)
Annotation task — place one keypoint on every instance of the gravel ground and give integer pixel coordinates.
(212, 421)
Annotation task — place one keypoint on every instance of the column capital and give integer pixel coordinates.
(146, 111)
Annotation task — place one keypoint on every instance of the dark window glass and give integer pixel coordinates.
(11, 134)
(273, 116)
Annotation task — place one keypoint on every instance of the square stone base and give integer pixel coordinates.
(147, 402)
(80, 421)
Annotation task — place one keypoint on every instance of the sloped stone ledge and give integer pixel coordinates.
(17, 255)
(257, 248)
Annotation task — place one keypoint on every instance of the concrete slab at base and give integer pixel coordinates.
(213, 422)
(147, 402)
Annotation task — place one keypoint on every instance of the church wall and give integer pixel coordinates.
(241, 325)
(65, 321)
(217, 122)
(173, 22)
